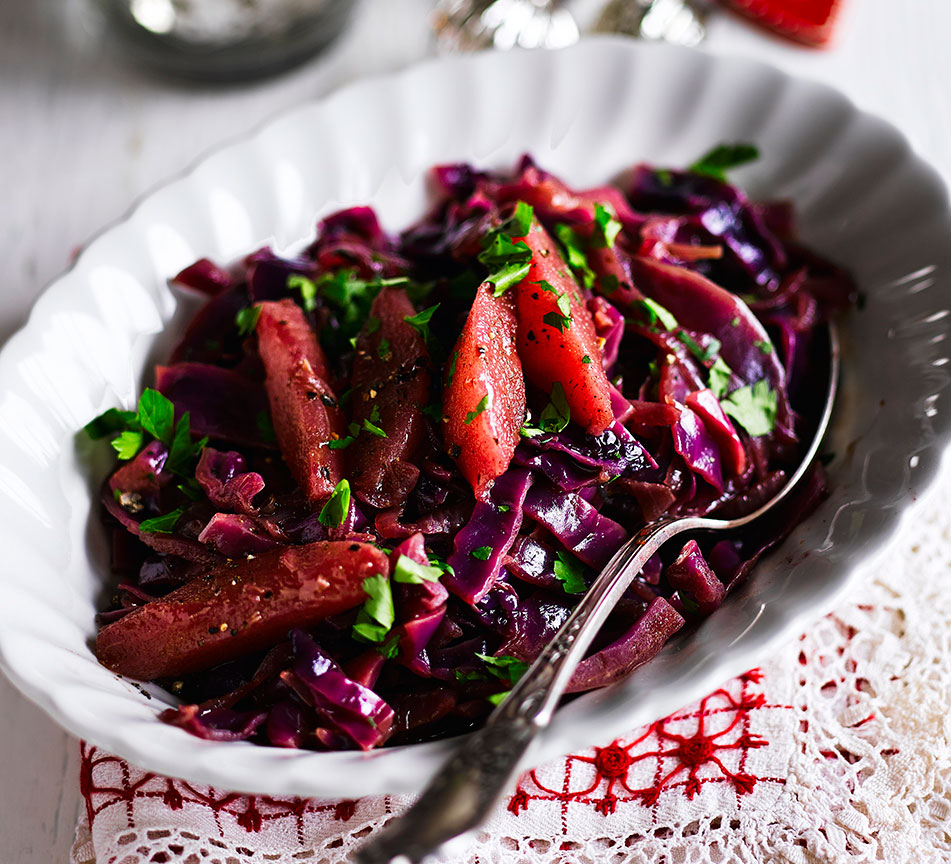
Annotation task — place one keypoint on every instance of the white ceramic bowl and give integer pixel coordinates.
(586, 113)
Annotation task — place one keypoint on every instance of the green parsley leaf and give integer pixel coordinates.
(383, 349)
(656, 312)
(545, 285)
(376, 616)
(503, 508)
(182, 449)
(433, 411)
(520, 222)
(482, 553)
(586, 359)
(420, 321)
(574, 249)
(164, 524)
(720, 375)
(754, 408)
(570, 573)
(484, 403)
(247, 319)
(764, 345)
(704, 355)
(452, 367)
(607, 227)
(441, 563)
(498, 698)
(506, 668)
(127, 444)
(559, 322)
(389, 650)
(508, 262)
(716, 162)
(191, 489)
(335, 511)
(307, 287)
(664, 177)
(157, 415)
(735, 322)
(341, 443)
(111, 421)
(564, 305)
(410, 572)
(556, 414)
(373, 429)
(460, 675)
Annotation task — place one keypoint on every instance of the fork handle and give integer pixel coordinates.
(467, 787)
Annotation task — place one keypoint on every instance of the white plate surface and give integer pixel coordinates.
(585, 113)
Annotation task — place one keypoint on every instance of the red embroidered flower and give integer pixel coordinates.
(612, 761)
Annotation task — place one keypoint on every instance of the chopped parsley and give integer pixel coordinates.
(109, 422)
(606, 225)
(155, 415)
(452, 367)
(556, 414)
(164, 524)
(334, 513)
(574, 250)
(247, 319)
(508, 261)
(559, 322)
(376, 616)
(656, 312)
(373, 428)
(704, 355)
(753, 407)
(586, 359)
(307, 288)
(383, 349)
(720, 374)
(506, 668)
(520, 223)
(409, 572)
(569, 572)
(350, 296)
(127, 444)
(716, 162)
(764, 345)
(482, 553)
(484, 403)
(545, 285)
(420, 321)
(433, 411)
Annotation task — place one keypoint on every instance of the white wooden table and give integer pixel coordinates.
(82, 135)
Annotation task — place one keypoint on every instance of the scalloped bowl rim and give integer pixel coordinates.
(727, 644)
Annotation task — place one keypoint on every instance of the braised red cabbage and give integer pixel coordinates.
(321, 429)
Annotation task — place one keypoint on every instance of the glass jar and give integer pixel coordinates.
(226, 40)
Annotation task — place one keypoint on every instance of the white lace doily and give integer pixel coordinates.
(837, 748)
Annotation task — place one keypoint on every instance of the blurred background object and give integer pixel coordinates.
(226, 40)
(471, 25)
(678, 21)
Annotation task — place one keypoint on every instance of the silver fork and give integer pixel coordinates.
(468, 786)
